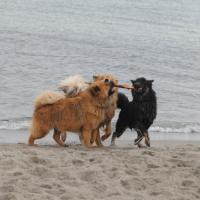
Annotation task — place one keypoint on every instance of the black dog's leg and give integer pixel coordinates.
(120, 128)
(142, 133)
(147, 139)
(139, 137)
(116, 135)
(113, 139)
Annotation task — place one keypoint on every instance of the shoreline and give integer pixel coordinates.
(127, 139)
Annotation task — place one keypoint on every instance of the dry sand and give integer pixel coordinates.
(51, 172)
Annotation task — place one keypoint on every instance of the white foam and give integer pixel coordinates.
(24, 123)
(184, 129)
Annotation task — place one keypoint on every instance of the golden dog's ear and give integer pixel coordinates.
(89, 83)
(95, 77)
(95, 90)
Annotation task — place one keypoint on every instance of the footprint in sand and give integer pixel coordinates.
(149, 153)
(37, 160)
(54, 189)
(180, 163)
(135, 184)
(155, 193)
(113, 194)
(196, 173)
(152, 166)
(188, 183)
(77, 163)
(131, 172)
(88, 176)
(83, 154)
(125, 184)
(39, 171)
(7, 197)
(46, 186)
(17, 173)
(6, 189)
(198, 191)
(91, 159)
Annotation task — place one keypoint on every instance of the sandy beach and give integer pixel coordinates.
(50, 172)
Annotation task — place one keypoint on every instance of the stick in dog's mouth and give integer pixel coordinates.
(124, 86)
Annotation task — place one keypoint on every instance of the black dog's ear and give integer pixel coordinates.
(95, 77)
(150, 81)
(133, 82)
(95, 90)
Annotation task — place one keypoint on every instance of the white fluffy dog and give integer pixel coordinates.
(73, 85)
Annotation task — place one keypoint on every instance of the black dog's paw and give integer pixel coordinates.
(138, 140)
(148, 144)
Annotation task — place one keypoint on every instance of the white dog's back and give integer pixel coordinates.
(73, 85)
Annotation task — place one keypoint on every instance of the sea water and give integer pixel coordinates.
(44, 41)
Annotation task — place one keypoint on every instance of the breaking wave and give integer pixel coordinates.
(15, 124)
(24, 124)
(184, 129)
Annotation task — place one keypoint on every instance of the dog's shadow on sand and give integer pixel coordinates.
(80, 147)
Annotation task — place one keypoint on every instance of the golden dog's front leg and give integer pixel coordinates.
(63, 136)
(87, 137)
(57, 138)
(96, 136)
(108, 131)
(93, 137)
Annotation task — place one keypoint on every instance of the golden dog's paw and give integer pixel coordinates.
(33, 145)
(103, 137)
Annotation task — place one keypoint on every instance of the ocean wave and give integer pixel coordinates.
(184, 129)
(15, 124)
(24, 124)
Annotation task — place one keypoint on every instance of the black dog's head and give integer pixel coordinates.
(141, 86)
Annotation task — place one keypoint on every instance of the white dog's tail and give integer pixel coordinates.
(73, 85)
(47, 97)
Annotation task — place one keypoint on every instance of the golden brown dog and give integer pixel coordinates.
(110, 107)
(83, 114)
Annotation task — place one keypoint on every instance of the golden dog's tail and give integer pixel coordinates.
(47, 97)
(73, 85)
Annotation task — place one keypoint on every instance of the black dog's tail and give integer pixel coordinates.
(122, 101)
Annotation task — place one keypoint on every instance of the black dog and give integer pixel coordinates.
(139, 113)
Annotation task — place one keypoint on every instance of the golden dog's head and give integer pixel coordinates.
(102, 89)
(107, 77)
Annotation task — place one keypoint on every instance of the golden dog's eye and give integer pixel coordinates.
(106, 80)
